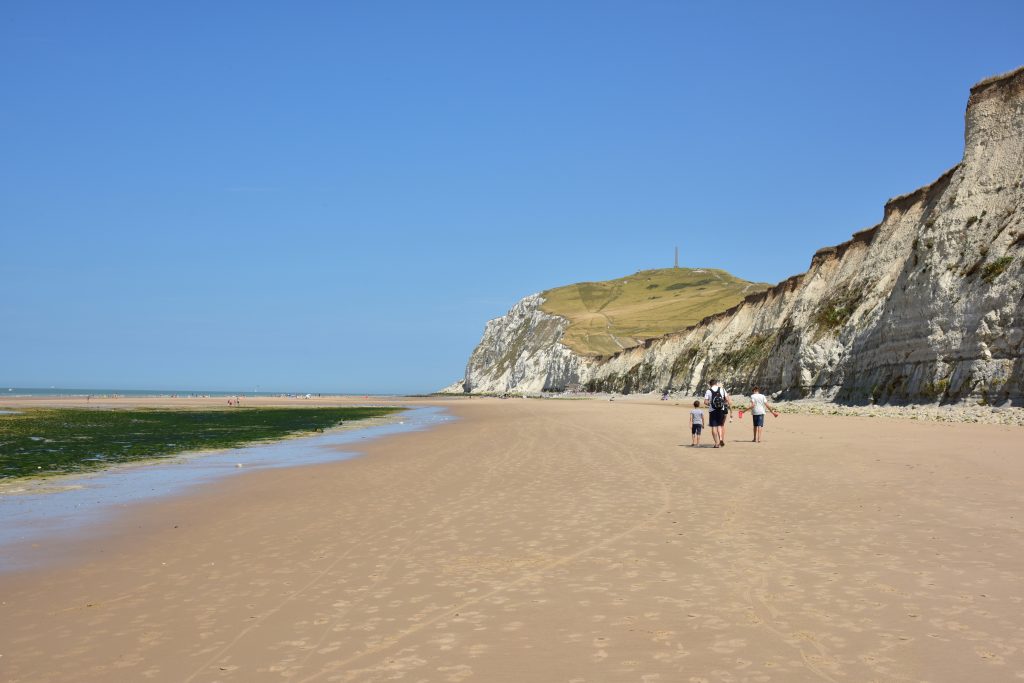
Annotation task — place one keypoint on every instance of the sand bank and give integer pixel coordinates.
(560, 540)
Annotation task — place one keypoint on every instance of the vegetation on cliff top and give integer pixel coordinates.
(606, 317)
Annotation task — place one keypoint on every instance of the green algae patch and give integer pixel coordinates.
(43, 441)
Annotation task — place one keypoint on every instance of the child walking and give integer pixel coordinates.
(758, 404)
(696, 424)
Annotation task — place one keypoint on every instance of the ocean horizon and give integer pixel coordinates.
(57, 392)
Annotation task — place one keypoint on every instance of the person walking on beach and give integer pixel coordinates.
(716, 398)
(758, 405)
(696, 424)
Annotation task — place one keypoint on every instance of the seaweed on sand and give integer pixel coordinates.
(44, 441)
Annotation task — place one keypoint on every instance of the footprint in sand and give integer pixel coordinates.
(445, 642)
(459, 672)
(727, 646)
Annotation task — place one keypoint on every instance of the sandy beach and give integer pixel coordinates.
(547, 540)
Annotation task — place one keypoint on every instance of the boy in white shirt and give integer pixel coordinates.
(696, 424)
(758, 404)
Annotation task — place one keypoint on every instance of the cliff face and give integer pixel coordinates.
(520, 351)
(927, 305)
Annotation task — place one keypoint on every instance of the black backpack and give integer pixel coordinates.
(717, 400)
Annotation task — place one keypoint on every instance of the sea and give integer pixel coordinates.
(59, 392)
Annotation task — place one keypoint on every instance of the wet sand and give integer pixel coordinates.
(559, 541)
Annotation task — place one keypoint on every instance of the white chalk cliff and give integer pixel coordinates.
(520, 352)
(928, 305)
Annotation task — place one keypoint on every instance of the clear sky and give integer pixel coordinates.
(336, 196)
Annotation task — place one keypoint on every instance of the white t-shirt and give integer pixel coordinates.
(758, 401)
(697, 416)
(721, 390)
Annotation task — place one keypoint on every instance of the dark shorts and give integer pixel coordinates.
(695, 429)
(716, 418)
(758, 420)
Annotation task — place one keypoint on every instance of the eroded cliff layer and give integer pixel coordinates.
(927, 305)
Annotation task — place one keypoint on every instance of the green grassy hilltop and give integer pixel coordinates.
(606, 317)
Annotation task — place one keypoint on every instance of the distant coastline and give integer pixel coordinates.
(66, 392)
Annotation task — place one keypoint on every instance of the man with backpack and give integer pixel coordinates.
(717, 400)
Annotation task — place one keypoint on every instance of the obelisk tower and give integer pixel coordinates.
(677, 257)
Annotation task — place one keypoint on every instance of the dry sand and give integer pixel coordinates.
(559, 541)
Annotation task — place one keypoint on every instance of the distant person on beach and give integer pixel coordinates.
(716, 398)
(758, 405)
(696, 424)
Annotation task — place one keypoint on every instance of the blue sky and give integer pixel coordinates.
(336, 196)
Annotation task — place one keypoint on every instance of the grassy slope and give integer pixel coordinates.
(606, 317)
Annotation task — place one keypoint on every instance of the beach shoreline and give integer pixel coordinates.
(67, 509)
(47, 482)
(540, 540)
